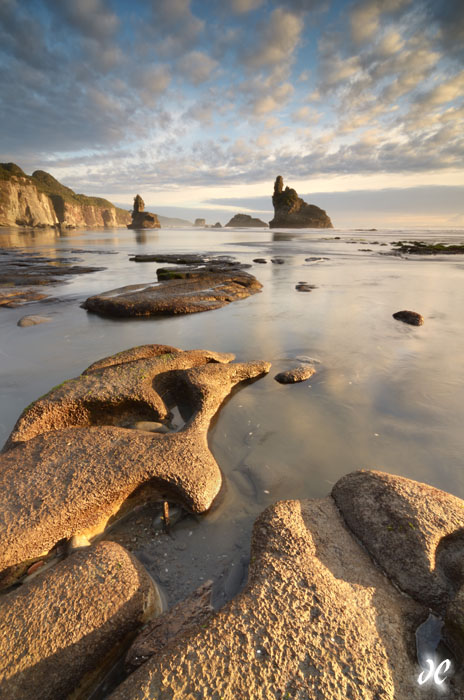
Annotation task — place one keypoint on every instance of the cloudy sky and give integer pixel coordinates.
(198, 105)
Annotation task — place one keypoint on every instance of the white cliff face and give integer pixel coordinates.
(21, 204)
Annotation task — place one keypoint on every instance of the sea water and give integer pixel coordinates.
(385, 395)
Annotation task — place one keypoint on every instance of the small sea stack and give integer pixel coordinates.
(290, 211)
(141, 218)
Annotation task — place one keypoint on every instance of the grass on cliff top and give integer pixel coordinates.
(50, 186)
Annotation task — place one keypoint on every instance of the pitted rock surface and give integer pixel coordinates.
(58, 628)
(317, 619)
(414, 531)
(68, 466)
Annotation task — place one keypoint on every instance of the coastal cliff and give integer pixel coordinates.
(39, 201)
(290, 211)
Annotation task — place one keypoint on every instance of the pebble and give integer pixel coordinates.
(35, 567)
(78, 541)
(150, 426)
(411, 317)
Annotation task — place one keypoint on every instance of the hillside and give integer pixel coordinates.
(39, 200)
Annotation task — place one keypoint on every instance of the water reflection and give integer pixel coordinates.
(385, 395)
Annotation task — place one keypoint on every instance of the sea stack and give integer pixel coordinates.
(290, 211)
(141, 218)
(240, 220)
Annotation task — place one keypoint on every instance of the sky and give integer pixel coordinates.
(199, 105)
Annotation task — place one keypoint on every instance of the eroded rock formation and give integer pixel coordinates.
(244, 220)
(318, 618)
(71, 463)
(141, 218)
(290, 211)
(39, 200)
(59, 630)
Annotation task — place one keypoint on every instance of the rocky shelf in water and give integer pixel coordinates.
(178, 291)
(24, 274)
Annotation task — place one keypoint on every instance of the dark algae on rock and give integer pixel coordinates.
(290, 211)
(423, 248)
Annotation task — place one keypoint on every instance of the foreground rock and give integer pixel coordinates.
(411, 317)
(290, 211)
(69, 466)
(410, 530)
(244, 220)
(141, 218)
(61, 629)
(179, 292)
(298, 374)
(27, 321)
(318, 618)
(39, 200)
(21, 274)
(180, 620)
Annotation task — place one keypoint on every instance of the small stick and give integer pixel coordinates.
(166, 524)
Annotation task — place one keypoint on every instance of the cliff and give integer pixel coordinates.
(245, 220)
(290, 211)
(39, 200)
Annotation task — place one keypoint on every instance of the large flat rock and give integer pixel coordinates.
(317, 619)
(177, 293)
(414, 531)
(58, 629)
(69, 465)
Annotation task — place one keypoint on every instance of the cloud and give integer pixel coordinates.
(91, 18)
(175, 26)
(366, 15)
(241, 6)
(197, 66)
(152, 82)
(449, 17)
(279, 38)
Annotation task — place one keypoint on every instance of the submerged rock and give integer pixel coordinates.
(411, 317)
(179, 292)
(86, 466)
(290, 211)
(304, 287)
(245, 220)
(59, 630)
(21, 273)
(261, 261)
(27, 321)
(298, 374)
(141, 218)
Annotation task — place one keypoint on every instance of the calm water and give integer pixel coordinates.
(386, 395)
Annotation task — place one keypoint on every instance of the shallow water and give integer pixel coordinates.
(386, 395)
